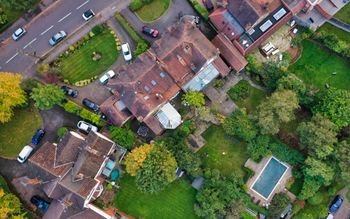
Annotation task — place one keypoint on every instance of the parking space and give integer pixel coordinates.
(344, 210)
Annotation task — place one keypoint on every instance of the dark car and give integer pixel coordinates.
(91, 105)
(336, 203)
(70, 91)
(40, 203)
(208, 4)
(150, 31)
(38, 136)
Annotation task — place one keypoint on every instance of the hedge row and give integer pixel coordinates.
(72, 107)
(137, 4)
(200, 9)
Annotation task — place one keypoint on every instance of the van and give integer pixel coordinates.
(24, 154)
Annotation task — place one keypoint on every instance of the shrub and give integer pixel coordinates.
(92, 117)
(240, 91)
(72, 107)
(86, 37)
(98, 29)
(135, 5)
(316, 199)
(202, 11)
(219, 83)
(123, 136)
(61, 131)
(142, 47)
(28, 84)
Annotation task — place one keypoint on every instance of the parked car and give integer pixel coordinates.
(86, 127)
(336, 203)
(330, 216)
(126, 52)
(150, 31)
(58, 37)
(40, 203)
(91, 105)
(18, 33)
(87, 15)
(106, 76)
(69, 91)
(38, 136)
(24, 154)
(208, 4)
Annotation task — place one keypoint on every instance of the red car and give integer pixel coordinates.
(150, 31)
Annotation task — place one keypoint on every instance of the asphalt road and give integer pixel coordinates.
(65, 15)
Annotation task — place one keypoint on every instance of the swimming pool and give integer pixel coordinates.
(270, 176)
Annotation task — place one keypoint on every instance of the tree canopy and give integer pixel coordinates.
(278, 204)
(240, 125)
(277, 109)
(194, 99)
(123, 136)
(18, 5)
(10, 206)
(335, 105)
(47, 96)
(342, 154)
(11, 95)
(319, 135)
(134, 160)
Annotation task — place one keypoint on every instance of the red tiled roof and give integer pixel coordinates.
(115, 116)
(223, 69)
(230, 53)
(219, 19)
(153, 123)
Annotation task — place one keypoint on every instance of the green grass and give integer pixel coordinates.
(175, 202)
(212, 155)
(17, 133)
(246, 215)
(153, 11)
(80, 66)
(341, 34)
(344, 14)
(253, 100)
(316, 65)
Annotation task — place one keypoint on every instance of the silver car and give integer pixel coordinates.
(58, 37)
(18, 33)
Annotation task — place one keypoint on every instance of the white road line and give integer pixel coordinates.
(64, 17)
(29, 43)
(9, 60)
(82, 4)
(46, 30)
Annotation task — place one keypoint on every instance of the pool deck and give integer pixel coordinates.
(258, 168)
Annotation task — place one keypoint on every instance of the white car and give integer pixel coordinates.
(106, 76)
(86, 127)
(58, 37)
(18, 33)
(87, 15)
(126, 52)
(24, 154)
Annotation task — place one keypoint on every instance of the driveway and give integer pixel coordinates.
(344, 210)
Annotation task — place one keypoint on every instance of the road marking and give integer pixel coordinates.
(46, 30)
(29, 43)
(9, 60)
(64, 17)
(82, 4)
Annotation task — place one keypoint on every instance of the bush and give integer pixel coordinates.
(61, 131)
(142, 47)
(316, 199)
(28, 84)
(72, 107)
(98, 29)
(123, 136)
(202, 11)
(135, 5)
(92, 117)
(240, 91)
(219, 83)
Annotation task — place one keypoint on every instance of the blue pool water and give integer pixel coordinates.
(269, 177)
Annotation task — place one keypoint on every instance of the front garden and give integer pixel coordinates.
(151, 10)
(89, 57)
(344, 14)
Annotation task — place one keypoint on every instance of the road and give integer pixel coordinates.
(65, 15)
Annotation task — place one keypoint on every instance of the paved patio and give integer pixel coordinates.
(258, 168)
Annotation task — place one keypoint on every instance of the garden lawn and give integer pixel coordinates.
(318, 66)
(221, 153)
(341, 34)
(153, 11)
(253, 100)
(80, 66)
(344, 14)
(175, 202)
(17, 133)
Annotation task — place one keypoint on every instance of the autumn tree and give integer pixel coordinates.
(46, 97)
(11, 95)
(240, 125)
(134, 160)
(277, 109)
(10, 206)
(319, 136)
(335, 105)
(278, 204)
(157, 171)
(194, 99)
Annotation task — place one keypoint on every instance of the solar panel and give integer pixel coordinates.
(279, 14)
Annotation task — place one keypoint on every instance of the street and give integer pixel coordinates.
(65, 15)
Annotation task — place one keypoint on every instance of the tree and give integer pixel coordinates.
(123, 136)
(342, 154)
(215, 198)
(46, 97)
(157, 171)
(319, 135)
(17, 5)
(10, 206)
(319, 170)
(276, 109)
(194, 99)
(134, 160)
(3, 17)
(292, 82)
(240, 125)
(11, 95)
(310, 187)
(188, 161)
(43, 68)
(278, 204)
(259, 147)
(335, 105)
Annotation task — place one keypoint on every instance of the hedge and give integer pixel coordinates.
(240, 91)
(72, 107)
(200, 9)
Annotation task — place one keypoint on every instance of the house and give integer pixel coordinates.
(74, 164)
(183, 59)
